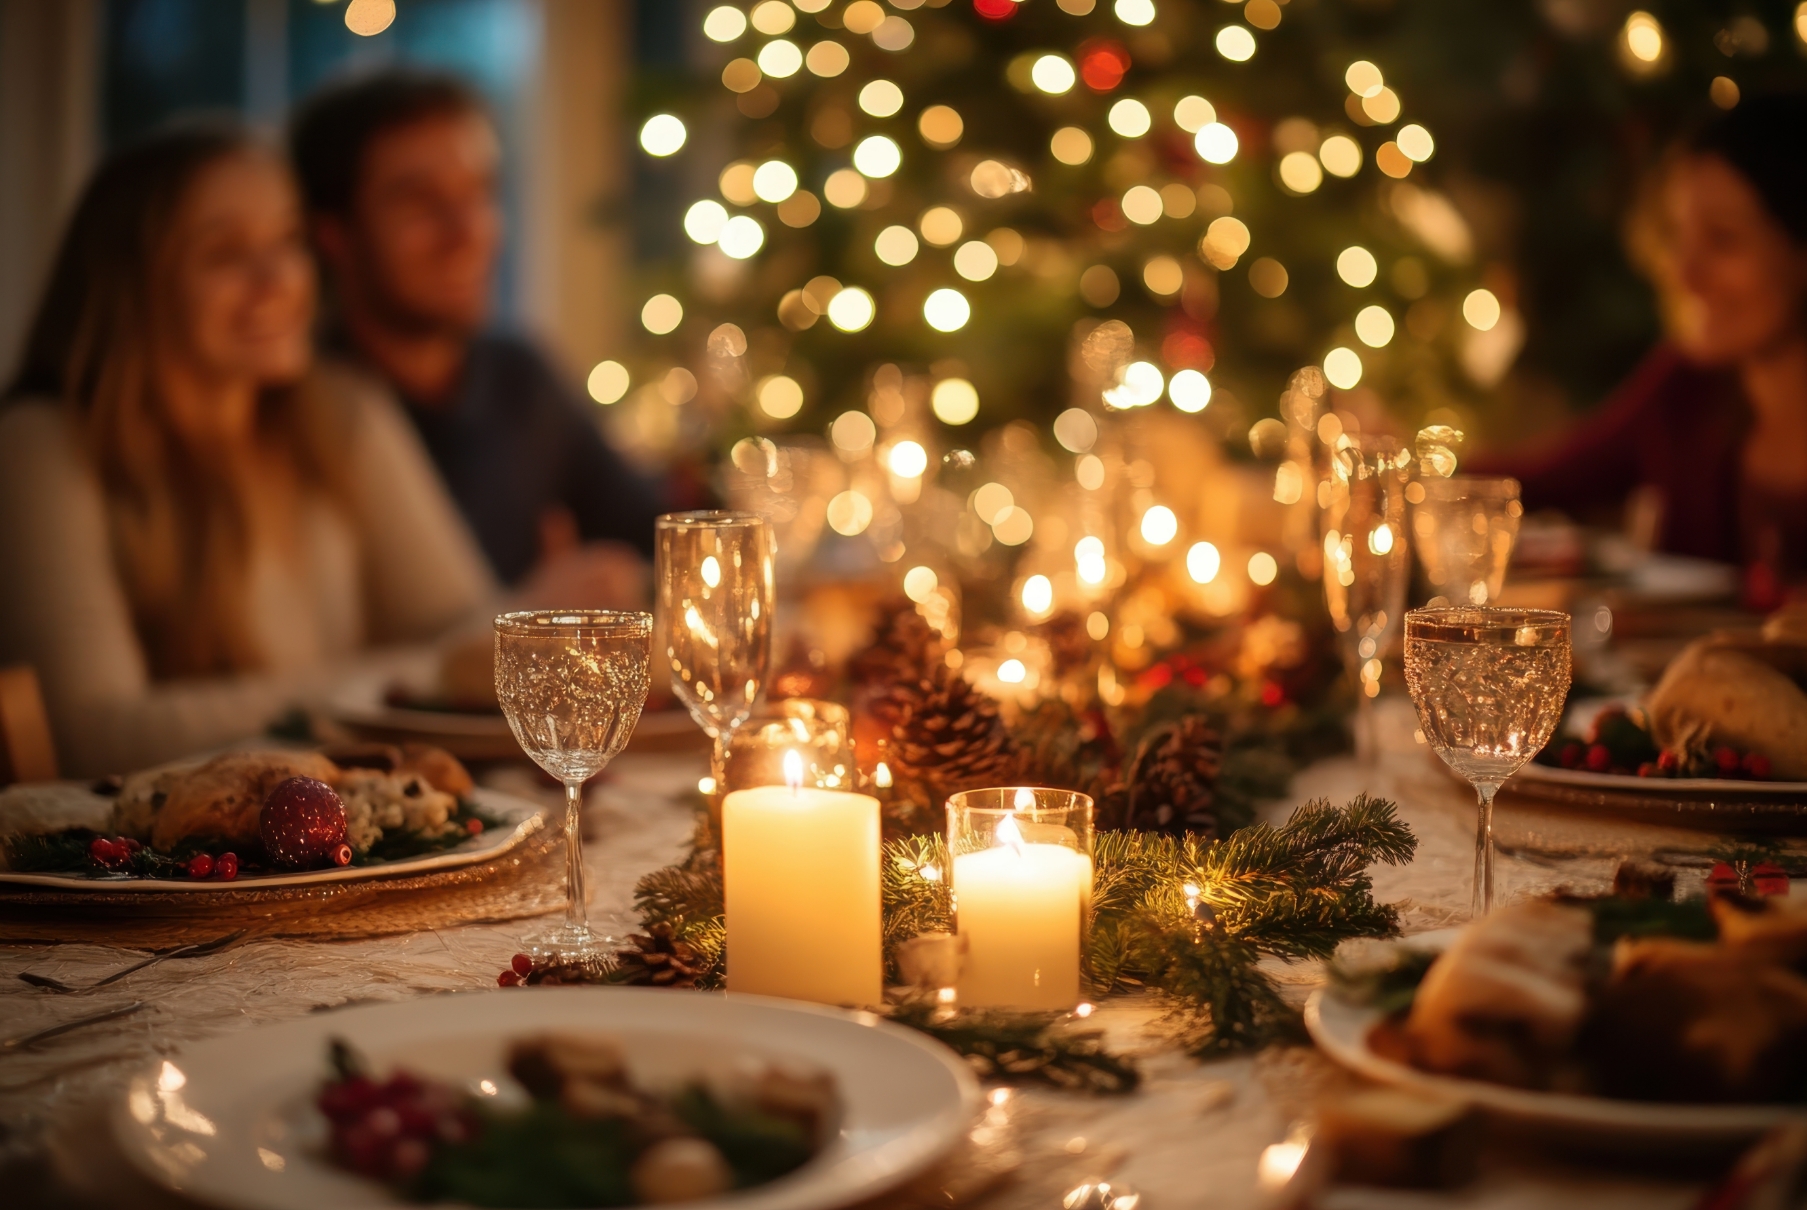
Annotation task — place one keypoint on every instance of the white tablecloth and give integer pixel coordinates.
(1190, 1138)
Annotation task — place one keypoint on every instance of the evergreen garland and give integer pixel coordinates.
(1182, 916)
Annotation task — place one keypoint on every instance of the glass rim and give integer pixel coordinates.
(1471, 485)
(1488, 615)
(1075, 799)
(710, 518)
(527, 622)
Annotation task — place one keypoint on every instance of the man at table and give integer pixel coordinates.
(399, 172)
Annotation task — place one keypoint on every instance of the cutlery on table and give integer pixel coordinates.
(181, 951)
(24, 1040)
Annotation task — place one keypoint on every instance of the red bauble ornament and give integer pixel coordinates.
(302, 823)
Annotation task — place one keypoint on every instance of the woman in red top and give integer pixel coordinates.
(1715, 420)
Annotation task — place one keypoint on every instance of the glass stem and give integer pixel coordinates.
(576, 910)
(718, 761)
(1482, 902)
(1367, 740)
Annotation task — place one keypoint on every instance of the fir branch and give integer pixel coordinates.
(1022, 1046)
(1228, 1004)
(914, 902)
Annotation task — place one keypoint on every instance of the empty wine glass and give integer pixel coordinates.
(1465, 528)
(1489, 685)
(715, 574)
(571, 685)
(1365, 564)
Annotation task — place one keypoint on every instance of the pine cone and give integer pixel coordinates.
(948, 736)
(904, 648)
(1173, 784)
(659, 959)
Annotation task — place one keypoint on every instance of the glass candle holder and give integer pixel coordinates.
(820, 732)
(1022, 883)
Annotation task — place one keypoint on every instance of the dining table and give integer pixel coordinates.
(1190, 1137)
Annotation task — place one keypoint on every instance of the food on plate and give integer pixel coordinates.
(259, 810)
(1398, 1139)
(1736, 691)
(584, 1132)
(1619, 742)
(1699, 1001)
(1505, 1001)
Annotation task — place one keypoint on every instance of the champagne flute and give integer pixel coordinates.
(715, 573)
(1365, 564)
(1465, 528)
(1489, 685)
(572, 685)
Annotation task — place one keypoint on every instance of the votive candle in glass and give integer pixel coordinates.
(1022, 859)
(819, 732)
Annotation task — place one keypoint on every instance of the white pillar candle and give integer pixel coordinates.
(800, 877)
(1018, 909)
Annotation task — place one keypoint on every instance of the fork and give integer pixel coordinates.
(24, 1040)
(182, 951)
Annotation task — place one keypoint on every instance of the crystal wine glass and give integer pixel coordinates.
(1489, 685)
(1365, 564)
(1465, 528)
(715, 574)
(571, 685)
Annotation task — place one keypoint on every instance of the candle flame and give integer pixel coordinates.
(1009, 834)
(881, 776)
(793, 770)
(1025, 799)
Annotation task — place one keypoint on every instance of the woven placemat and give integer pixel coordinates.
(527, 880)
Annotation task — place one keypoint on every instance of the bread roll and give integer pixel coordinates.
(1726, 690)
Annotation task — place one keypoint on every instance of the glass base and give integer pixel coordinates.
(572, 943)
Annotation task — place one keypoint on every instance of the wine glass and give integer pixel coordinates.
(715, 573)
(1465, 527)
(1365, 564)
(1489, 685)
(571, 685)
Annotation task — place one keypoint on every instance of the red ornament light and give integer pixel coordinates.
(1185, 350)
(1103, 63)
(1109, 215)
(995, 10)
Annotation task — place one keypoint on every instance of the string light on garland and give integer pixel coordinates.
(1374, 326)
(852, 309)
(774, 180)
(946, 310)
(954, 401)
(895, 245)
(1203, 561)
(1481, 308)
(1357, 266)
(724, 23)
(773, 17)
(1134, 12)
(608, 382)
(662, 135)
(1416, 142)
(1342, 155)
(1343, 367)
(741, 237)
(779, 396)
(880, 98)
(827, 59)
(1129, 118)
(940, 126)
(1236, 43)
(704, 221)
(975, 260)
(1054, 74)
(877, 156)
(1190, 391)
(780, 59)
(1216, 143)
(661, 314)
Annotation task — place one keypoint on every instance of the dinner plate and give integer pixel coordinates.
(1341, 1029)
(1712, 804)
(364, 708)
(519, 820)
(231, 1121)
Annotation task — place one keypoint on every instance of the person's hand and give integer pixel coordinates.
(600, 575)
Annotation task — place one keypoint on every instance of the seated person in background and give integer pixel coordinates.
(1714, 420)
(399, 172)
(198, 527)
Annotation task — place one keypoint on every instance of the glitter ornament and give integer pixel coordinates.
(302, 823)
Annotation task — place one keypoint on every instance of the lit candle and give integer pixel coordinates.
(800, 875)
(1020, 903)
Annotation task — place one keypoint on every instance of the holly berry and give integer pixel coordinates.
(521, 964)
(342, 854)
(225, 867)
(508, 979)
(131, 846)
(302, 822)
(1726, 761)
(200, 865)
(1757, 765)
(1599, 758)
(473, 826)
(105, 851)
(1573, 755)
(1648, 769)
(1668, 762)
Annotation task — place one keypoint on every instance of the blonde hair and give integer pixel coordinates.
(178, 517)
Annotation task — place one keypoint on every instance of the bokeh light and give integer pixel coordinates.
(851, 309)
(946, 310)
(1159, 525)
(1263, 568)
(1363, 78)
(724, 23)
(1340, 155)
(877, 156)
(1268, 277)
(780, 396)
(845, 188)
(1142, 205)
(920, 583)
(1374, 326)
(1643, 37)
(1053, 74)
(1301, 172)
(1190, 391)
(1481, 309)
(741, 237)
(608, 381)
(1038, 595)
(704, 221)
(1138, 384)
(1163, 276)
(1076, 431)
(773, 17)
(1236, 43)
(774, 180)
(1071, 145)
(907, 460)
(881, 98)
(954, 401)
(661, 314)
(663, 134)
(1193, 113)
(849, 513)
(853, 432)
(1203, 562)
(1015, 527)
(940, 126)
(896, 245)
(1383, 107)
(1343, 367)
(827, 59)
(991, 501)
(1215, 143)
(1416, 142)
(941, 225)
(975, 260)
(1130, 118)
(780, 59)
(1357, 266)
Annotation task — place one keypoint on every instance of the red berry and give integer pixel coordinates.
(103, 850)
(1722, 878)
(1573, 755)
(130, 845)
(473, 826)
(342, 854)
(522, 965)
(302, 821)
(200, 865)
(1757, 765)
(1648, 769)
(1669, 762)
(225, 866)
(1726, 761)
(508, 979)
(1599, 759)
(1769, 878)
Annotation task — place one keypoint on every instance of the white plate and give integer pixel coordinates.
(520, 819)
(1583, 779)
(1341, 1030)
(231, 1121)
